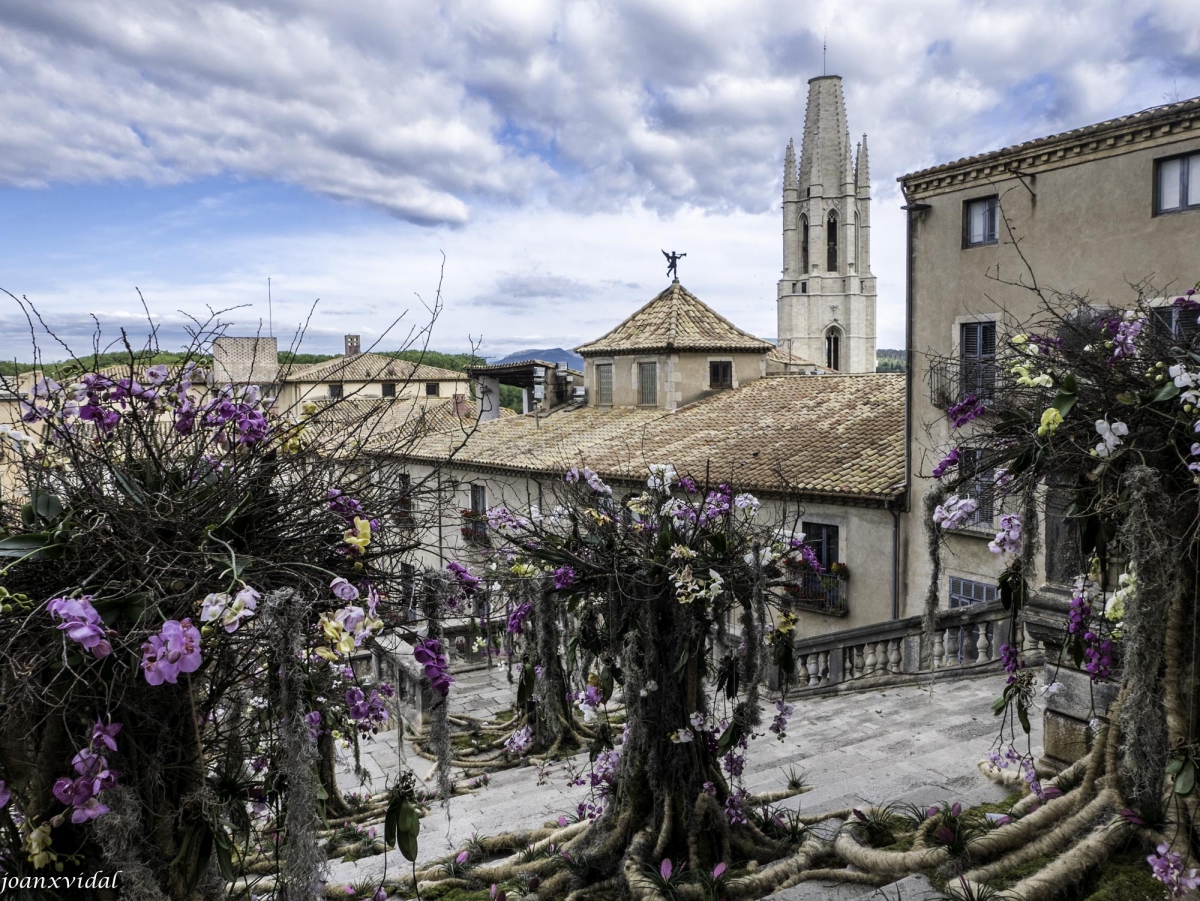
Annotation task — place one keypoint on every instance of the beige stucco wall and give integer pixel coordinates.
(1086, 225)
(292, 394)
(865, 534)
(682, 377)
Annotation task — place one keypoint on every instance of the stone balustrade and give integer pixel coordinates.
(966, 639)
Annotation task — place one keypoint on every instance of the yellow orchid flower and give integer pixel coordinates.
(360, 536)
(1051, 420)
(326, 654)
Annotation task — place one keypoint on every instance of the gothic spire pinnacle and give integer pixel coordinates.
(789, 167)
(862, 165)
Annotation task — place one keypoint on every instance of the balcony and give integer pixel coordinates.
(953, 380)
(475, 527)
(818, 592)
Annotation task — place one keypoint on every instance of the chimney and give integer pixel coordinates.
(460, 405)
(352, 345)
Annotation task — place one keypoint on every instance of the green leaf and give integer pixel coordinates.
(29, 544)
(1023, 716)
(408, 846)
(1186, 780)
(1166, 392)
(129, 487)
(1127, 398)
(998, 705)
(1063, 403)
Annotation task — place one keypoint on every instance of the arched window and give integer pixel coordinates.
(833, 349)
(857, 243)
(804, 244)
(831, 238)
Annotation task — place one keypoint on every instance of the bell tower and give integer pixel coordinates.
(826, 298)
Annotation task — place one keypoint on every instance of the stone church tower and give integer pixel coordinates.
(827, 293)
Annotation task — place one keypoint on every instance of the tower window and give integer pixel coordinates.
(431, 389)
(980, 219)
(648, 384)
(804, 287)
(833, 350)
(720, 374)
(604, 384)
(831, 240)
(335, 392)
(804, 244)
(389, 389)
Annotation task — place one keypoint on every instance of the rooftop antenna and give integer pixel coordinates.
(270, 318)
(824, 41)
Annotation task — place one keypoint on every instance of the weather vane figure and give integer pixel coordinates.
(673, 259)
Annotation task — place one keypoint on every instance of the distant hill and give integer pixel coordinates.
(889, 360)
(550, 355)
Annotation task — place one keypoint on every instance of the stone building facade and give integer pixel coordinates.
(826, 297)
(1106, 211)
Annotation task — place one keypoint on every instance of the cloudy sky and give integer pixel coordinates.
(548, 149)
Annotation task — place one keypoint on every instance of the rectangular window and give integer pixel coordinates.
(977, 353)
(964, 592)
(720, 374)
(648, 384)
(404, 506)
(478, 499)
(980, 486)
(431, 389)
(1171, 322)
(1177, 184)
(335, 392)
(604, 384)
(823, 539)
(980, 221)
(389, 389)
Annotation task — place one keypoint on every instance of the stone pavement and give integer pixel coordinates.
(917, 743)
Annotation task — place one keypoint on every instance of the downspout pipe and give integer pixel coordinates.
(894, 508)
(909, 355)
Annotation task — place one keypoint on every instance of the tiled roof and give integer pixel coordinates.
(779, 355)
(369, 367)
(676, 320)
(1143, 118)
(817, 436)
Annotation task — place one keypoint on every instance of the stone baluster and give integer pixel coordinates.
(869, 661)
(810, 664)
(984, 645)
(848, 664)
(939, 652)
(860, 665)
(970, 645)
(894, 655)
(951, 646)
(881, 657)
(823, 667)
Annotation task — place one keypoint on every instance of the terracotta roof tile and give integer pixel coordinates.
(675, 320)
(369, 367)
(810, 435)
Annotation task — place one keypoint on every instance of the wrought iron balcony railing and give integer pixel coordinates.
(952, 381)
(818, 592)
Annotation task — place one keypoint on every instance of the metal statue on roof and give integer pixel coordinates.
(673, 259)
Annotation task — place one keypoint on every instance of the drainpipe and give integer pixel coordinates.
(909, 254)
(895, 511)
(440, 517)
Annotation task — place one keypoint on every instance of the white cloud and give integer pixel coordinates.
(555, 139)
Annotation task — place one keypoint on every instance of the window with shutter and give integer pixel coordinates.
(964, 592)
(977, 350)
(604, 383)
(1171, 322)
(648, 384)
(980, 486)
